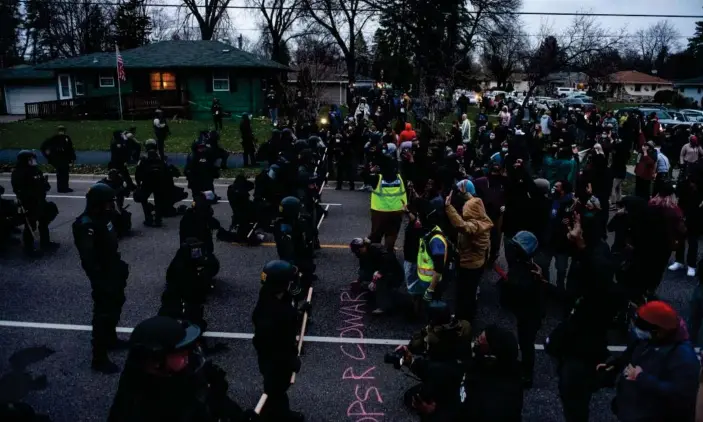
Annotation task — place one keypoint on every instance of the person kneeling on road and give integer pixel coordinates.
(380, 269)
(152, 176)
(199, 221)
(435, 355)
(167, 378)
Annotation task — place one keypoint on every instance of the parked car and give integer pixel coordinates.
(683, 117)
(666, 120)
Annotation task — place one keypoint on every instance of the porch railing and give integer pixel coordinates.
(134, 106)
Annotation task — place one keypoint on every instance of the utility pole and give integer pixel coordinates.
(240, 41)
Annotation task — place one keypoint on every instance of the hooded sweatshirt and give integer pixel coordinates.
(474, 232)
(408, 134)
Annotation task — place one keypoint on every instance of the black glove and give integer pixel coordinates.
(296, 364)
(304, 307)
(250, 416)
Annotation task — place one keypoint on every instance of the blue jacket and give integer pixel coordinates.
(667, 387)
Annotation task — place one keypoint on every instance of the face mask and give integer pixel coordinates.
(640, 334)
(492, 137)
(504, 149)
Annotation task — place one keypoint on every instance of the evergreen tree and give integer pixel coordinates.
(10, 25)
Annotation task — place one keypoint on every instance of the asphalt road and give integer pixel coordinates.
(341, 379)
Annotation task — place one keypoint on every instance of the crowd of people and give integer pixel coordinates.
(539, 186)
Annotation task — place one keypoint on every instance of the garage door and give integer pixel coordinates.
(16, 96)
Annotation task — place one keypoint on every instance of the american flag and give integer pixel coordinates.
(120, 65)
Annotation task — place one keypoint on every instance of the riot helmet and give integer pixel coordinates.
(27, 158)
(279, 275)
(150, 145)
(100, 199)
(165, 345)
(290, 208)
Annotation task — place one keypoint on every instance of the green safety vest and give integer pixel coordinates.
(425, 266)
(389, 196)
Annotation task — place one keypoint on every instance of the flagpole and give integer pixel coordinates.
(119, 85)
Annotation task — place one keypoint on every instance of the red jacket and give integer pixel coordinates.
(408, 134)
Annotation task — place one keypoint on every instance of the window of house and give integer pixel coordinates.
(163, 81)
(107, 81)
(681, 89)
(654, 87)
(80, 86)
(699, 90)
(638, 87)
(220, 81)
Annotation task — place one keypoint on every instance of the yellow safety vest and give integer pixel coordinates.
(425, 266)
(389, 196)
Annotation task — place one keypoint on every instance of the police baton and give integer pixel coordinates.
(264, 397)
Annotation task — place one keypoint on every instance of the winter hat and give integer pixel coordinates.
(543, 185)
(659, 314)
(467, 186)
(526, 241)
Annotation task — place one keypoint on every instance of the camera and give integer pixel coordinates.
(395, 358)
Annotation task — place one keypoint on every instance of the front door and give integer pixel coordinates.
(65, 89)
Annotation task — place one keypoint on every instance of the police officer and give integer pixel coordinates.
(152, 177)
(275, 329)
(161, 132)
(200, 169)
(248, 140)
(292, 243)
(243, 208)
(342, 150)
(121, 148)
(199, 221)
(122, 218)
(30, 185)
(214, 150)
(96, 240)
(216, 110)
(168, 378)
(58, 151)
(189, 279)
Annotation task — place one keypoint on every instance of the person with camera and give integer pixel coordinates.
(436, 355)
(30, 185)
(168, 378)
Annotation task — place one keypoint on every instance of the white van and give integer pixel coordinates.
(565, 91)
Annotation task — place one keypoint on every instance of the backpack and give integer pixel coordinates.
(452, 253)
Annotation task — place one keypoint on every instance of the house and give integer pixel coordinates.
(332, 88)
(180, 76)
(637, 86)
(518, 80)
(691, 88)
(24, 84)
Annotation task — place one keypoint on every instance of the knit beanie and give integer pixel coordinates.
(659, 314)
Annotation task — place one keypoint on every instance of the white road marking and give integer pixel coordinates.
(92, 182)
(240, 336)
(132, 199)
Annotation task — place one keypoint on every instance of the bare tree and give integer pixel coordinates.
(343, 20)
(489, 16)
(501, 52)
(210, 15)
(577, 49)
(652, 41)
(279, 17)
(316, 59)
(162, 24)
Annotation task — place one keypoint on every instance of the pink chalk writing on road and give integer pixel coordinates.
(364, 406)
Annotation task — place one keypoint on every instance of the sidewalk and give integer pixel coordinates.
(101, 158)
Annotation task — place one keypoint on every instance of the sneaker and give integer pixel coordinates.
(691, 272)
(67, 190)
(676, 266)
(105, 366)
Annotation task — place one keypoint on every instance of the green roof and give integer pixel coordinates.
(169, 55)
(692, 81)
(24, 72)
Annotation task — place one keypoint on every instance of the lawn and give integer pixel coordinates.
(96, 134)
